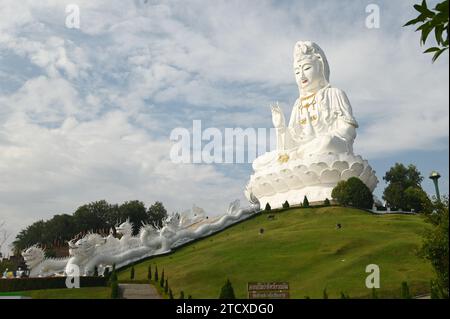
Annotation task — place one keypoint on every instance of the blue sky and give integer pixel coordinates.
(86, 114)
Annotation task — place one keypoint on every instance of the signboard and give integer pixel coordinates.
(268, 290)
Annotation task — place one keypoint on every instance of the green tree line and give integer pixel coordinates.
(99, 216)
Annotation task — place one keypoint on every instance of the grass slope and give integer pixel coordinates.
(303, 247)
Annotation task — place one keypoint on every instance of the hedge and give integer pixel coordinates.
(23, 284)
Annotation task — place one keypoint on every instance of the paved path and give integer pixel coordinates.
(138, 291)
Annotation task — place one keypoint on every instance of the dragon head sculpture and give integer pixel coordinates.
(85, 246)
(125, 229)
(33, 256)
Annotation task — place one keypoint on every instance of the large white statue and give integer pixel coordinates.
(315, 149)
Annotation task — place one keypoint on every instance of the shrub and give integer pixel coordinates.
(405, 291)
(268, 208)
(156, 273)
(161, 282)
(22, 284)
(344, 296)
(374, 293)
(115, 290)
(326, 202)
(149, 272)
(353, 192)
(227, 291)
(132, 273)
(305, 202)
(286, 204)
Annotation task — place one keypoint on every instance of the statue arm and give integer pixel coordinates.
(345, 124)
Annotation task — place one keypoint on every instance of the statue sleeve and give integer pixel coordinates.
(343, 107)
(345, 124)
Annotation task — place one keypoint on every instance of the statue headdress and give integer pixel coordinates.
(308, 49)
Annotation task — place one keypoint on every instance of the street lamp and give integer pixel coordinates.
(434, 176)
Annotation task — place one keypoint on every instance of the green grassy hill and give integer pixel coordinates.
(303, 247)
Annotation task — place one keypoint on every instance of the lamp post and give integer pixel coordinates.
(434, 176)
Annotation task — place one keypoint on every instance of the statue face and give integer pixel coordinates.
(309, 76)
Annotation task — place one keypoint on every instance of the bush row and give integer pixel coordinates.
(22, 284)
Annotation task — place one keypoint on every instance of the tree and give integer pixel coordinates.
(181, 294)
(353, 192)
(135, 212)
(95, 271)
(435, 19)
(268, 208)
(156, 273)
(305, 202)
(399, 179)
(170, 294)
(325, 294)
(156, 214)
(227, 291)
(286, 204)
(132, 273)
(435, 246)
(418, 200)
(326, 202)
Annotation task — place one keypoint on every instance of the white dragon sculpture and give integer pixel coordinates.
(94, 251)
(39, 265)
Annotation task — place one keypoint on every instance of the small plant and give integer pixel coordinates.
(115, 290)
(286, 204)
(149, 272)
(182, 294)
(227, 291)
(374, 293)
(305, 202)
(344, 296)
(268, 208)
(405, 291)
(190, 297)
(170, 294)
(161, 282)
(132, 273)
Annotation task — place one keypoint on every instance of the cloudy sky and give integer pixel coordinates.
(86, 114)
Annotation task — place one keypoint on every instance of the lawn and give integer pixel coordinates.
(304, 248)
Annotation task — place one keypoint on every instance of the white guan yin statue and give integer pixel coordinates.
(315, 149)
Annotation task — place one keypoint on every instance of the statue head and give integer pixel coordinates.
(33, 256)
(311, 68)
